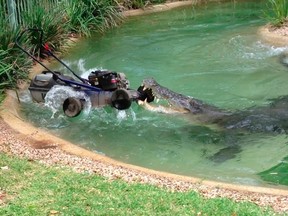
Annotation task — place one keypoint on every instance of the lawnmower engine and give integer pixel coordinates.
(115, 88)
(103, 88)
(107, 80)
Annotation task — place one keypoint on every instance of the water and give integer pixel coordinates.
(211, 52)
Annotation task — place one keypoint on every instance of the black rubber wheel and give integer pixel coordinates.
(72, 107)
(121, 99)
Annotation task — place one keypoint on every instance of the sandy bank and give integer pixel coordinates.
(275, 36)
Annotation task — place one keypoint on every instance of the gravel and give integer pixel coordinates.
(11, 142)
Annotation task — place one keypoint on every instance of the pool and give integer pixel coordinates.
(211, 52)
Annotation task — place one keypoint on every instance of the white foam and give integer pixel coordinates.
(25, 96)
(256, 50)
(56, 96)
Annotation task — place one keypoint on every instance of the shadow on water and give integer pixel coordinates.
(270, 119)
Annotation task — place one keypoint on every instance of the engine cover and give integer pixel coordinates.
(108, 80)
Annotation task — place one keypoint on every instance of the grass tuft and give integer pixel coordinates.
(277, 12)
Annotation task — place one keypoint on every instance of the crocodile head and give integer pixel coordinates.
(150, 90)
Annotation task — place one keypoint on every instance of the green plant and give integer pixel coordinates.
(277, 12)
(158, 1)
(136, 4)
(50, 20)
(13, 66)
(83, 16)
(133, 4)
(13, 63)
(105, 12)
(4, 70)
(49, 192)
(77, 17)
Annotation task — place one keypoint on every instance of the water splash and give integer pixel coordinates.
(80, 68)
(56, 96)
(255, 50)
(25, 96)
(81, 64)
(126, 115)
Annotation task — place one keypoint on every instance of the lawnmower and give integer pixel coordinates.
(103, 87)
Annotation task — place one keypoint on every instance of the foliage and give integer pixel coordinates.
(277, 12)
(57, 19)
(11, 67)
(135, 4)
(77, 19)
(85, 16)
(52, 26)
(49, 192)
(105, 13)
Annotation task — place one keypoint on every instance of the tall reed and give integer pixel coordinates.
(13, 63)
(86, 16)
(136, 4)
(277, 12)
(50, 20)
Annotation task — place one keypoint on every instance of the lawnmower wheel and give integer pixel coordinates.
(72, 107)
(121, 99)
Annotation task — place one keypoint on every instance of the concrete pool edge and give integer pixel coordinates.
(10, 114)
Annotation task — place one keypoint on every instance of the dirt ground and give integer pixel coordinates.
(275, 36)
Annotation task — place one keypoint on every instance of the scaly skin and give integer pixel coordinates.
(179, 102)
(271, 118)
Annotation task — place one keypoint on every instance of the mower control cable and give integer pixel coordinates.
(84, 83)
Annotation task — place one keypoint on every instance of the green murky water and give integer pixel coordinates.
(211, 52)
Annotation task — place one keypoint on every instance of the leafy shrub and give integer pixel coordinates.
(13, 63)
(85, 16)
(50, 20)
(136, 4)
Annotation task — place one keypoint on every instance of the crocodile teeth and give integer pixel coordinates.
(140, 102)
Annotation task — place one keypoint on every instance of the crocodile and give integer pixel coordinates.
(270, 119)
(177, 103)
